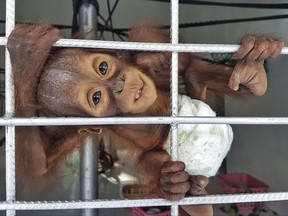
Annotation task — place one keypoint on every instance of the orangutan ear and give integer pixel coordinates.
(94, 130)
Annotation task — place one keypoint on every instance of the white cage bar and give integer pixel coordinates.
(164, 47)
(10, 121)
(174, 87)
(209, 199)
(9, 106)
(11, 205)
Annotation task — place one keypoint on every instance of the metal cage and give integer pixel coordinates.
(11, 205)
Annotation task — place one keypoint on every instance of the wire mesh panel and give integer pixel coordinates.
(11, 205)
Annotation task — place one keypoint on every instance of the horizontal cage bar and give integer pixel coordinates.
(165, 47)
(209, 199)
(143, 120)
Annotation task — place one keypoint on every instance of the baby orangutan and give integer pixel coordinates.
(74, 82)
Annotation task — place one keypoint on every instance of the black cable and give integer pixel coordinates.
(213, 22)
(109, 17)
(242, 5)
(100, 26)
(121, 31)
(2, 141)
(56, 25)
(218, 22)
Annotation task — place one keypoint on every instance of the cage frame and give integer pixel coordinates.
(11, 205)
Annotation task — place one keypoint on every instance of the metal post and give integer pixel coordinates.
(87, 18)
(89, 173)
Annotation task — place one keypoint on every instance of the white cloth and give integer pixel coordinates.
(202, 147)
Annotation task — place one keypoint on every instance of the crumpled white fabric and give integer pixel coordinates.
(202, 147)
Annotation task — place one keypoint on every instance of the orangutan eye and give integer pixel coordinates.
(103, 67)
(96, 97)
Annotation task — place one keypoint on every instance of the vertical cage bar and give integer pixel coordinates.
(9, 103)
(174, 74)
(174, 86)
(174, 60)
